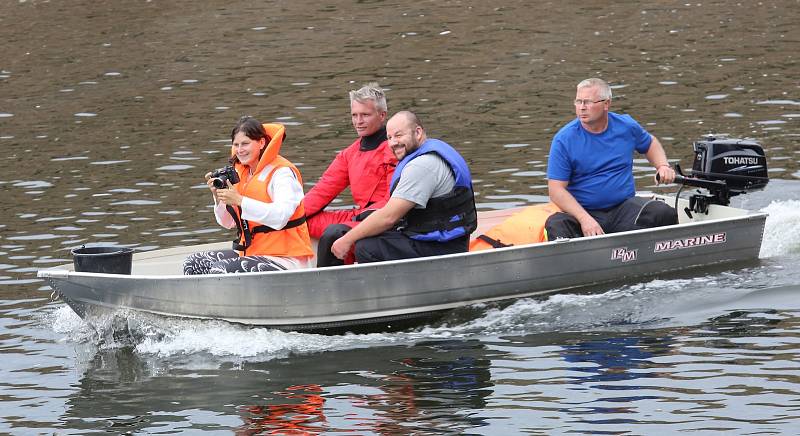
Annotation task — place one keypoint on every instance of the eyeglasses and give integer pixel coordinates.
(581, 102)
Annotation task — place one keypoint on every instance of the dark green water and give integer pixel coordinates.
(111, 112)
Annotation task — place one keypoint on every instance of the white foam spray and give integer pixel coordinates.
(782, 230)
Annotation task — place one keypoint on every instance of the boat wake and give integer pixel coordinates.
(780, 232)
(655, 304)
(162, 336)
(649, 305)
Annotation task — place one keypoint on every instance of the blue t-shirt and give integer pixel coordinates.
(598, 166)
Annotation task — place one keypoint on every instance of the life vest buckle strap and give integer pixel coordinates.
(493, 242)
(289, 225)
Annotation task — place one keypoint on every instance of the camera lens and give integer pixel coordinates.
(218, 183)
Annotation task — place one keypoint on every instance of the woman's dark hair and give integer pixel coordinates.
(253, 129)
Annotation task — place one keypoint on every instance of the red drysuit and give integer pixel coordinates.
(366, 172)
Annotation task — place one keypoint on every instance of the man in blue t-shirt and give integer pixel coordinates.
(590, 170)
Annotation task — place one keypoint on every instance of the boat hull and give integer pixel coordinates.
(393, 291)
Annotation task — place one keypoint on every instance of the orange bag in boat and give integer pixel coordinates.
(524, 227)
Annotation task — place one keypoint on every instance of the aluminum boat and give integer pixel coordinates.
(709, 232)
(380, 293)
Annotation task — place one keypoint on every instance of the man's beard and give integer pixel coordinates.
(412, 147)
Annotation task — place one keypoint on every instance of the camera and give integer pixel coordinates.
(218, 177)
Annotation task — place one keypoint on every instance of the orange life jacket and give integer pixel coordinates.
(256, 239)
(523, 227)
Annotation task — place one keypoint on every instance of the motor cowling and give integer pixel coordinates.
(740, 163)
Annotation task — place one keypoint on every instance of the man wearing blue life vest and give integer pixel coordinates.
(590, 170)
(431, 210)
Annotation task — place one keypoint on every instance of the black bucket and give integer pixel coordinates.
(107, 260)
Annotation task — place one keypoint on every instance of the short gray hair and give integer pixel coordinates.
(600, 84)
(370, 92)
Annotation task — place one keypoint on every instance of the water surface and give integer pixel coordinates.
(110, 112)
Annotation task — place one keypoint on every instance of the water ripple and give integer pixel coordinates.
(136, 202)
(175, 167)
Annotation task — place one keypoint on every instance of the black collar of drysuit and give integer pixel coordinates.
(371, 142)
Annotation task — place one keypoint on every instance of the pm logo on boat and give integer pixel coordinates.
(694, 241)
(623, 254)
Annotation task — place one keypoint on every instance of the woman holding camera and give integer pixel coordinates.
(261, 194)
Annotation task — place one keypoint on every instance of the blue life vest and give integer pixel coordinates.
(447, 217)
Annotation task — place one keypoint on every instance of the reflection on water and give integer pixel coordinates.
(112, 111)
(641, 381)
(432, 384)
(304, 413)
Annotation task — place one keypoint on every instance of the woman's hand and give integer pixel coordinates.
(229, 195)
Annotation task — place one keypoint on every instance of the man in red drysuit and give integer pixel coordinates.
(366, 166)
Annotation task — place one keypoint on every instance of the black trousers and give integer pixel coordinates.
(632, 214)
(394, 245)
(329, 236)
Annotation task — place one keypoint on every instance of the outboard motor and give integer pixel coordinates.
(725, 168)
(740, 163)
